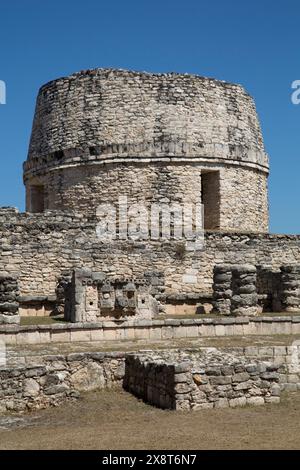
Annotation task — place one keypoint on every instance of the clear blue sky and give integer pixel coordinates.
(255, 43)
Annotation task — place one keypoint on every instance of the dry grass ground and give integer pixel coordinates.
(116, 420)
(137, 345)
(49, 320)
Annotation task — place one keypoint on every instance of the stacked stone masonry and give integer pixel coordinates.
(39, 382)
(235, 290)
(43, 248)
(177, 379)
(157, 139)
(154, 138)
(222, 289)
(107, 332)
(9, 299)
(290, 288)
(244, 298)
(200, 380)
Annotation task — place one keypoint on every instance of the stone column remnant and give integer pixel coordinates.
(9, 299)
(61, 292)
(244, 299)
(222, 289)
(290, 288)
(234, 290)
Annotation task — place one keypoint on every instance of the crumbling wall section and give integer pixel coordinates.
(42, 248)
(211, 377)
(149, 137)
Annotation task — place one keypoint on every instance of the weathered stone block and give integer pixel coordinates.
(235, 402)
(255, 401)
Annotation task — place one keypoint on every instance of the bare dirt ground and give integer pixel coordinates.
(112, 420)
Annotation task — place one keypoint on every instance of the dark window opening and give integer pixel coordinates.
(37, 198)
(210, 190)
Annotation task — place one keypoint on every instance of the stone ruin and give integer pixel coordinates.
(248, 290)
(177, 138)
(178, 379)
(165, 139)
(9, 299)
(196, 380)
(86, 296)
(234, 290)
(172, 137)
(92, 297)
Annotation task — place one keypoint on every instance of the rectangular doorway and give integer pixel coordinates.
(36, 198)
(210, 191)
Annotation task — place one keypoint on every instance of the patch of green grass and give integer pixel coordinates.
(25, 321)
(180, 316)
(279, 314)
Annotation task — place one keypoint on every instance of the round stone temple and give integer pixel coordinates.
(101, 134)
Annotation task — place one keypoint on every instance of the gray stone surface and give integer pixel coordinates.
(9, 299)
(235, 290)
(93, 297)
(155, 377)
(145, 134)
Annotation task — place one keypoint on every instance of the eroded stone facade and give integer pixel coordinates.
(212, 377)
(177, 379)
(104, 133)
(92, 297)
(42, 248)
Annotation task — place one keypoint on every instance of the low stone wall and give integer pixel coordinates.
(213, 378)
(151, 381)
(51, 380)
(151, 330)
(175, 379)
(43, 248)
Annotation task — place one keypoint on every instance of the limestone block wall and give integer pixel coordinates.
(50, 380)
(149, 330)
(145, 183)
(103, 133)
(121, 112)
(42, 248)
(151, 381)
(176, 379)
(243, 201)
(211, 377)
(239, 201)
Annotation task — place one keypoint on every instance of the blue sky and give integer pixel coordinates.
(255, 43)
